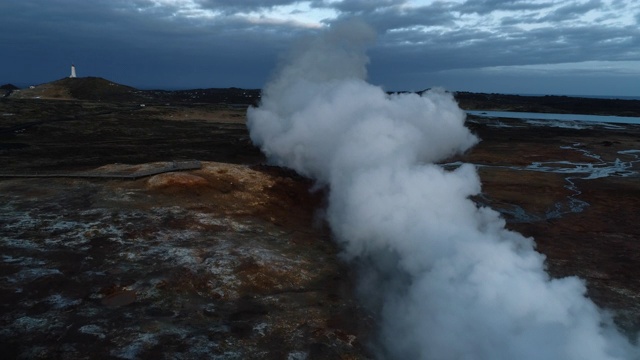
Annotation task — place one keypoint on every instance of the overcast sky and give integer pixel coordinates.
(571, 47)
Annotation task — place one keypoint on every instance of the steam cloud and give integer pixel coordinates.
(449, 281)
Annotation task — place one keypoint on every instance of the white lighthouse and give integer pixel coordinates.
(73, 71)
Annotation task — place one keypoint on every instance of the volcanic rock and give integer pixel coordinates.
(223, 261)
(231, 259)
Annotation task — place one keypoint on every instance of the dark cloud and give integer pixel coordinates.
(393, 18)
(467, 48)
(484, 7)
(358, 7)
(121, 41)
(572, 10)
(243, 6)
(210, 43)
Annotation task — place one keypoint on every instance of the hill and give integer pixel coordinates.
(96, 88)
(8, 89)
(100, 89)
(85, 88)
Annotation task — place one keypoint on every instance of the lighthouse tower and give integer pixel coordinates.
(73, 71)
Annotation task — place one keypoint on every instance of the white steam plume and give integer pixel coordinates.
(449, 281)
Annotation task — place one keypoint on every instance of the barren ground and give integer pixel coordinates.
(231, 259)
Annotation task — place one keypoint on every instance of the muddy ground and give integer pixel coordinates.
(231, 260)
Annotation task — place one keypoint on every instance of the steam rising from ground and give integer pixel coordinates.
(448, 280)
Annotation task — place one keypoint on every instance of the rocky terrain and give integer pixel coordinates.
(144, 224)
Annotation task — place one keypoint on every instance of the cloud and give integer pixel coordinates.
(415, 37)
(611, 68)
(484, 7)
(572, 10)
(139, 43)
(245, 6)
(358, 7)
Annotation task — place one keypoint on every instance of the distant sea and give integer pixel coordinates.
(551, 116)
(588, 96)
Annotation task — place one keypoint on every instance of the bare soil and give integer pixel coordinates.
(232, 259)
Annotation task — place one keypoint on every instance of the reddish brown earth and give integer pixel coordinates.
(232, 260)
(227, 261)
(223, 261)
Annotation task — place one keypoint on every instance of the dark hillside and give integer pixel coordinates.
(548, 104)
(96, 88)
(7, 89)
